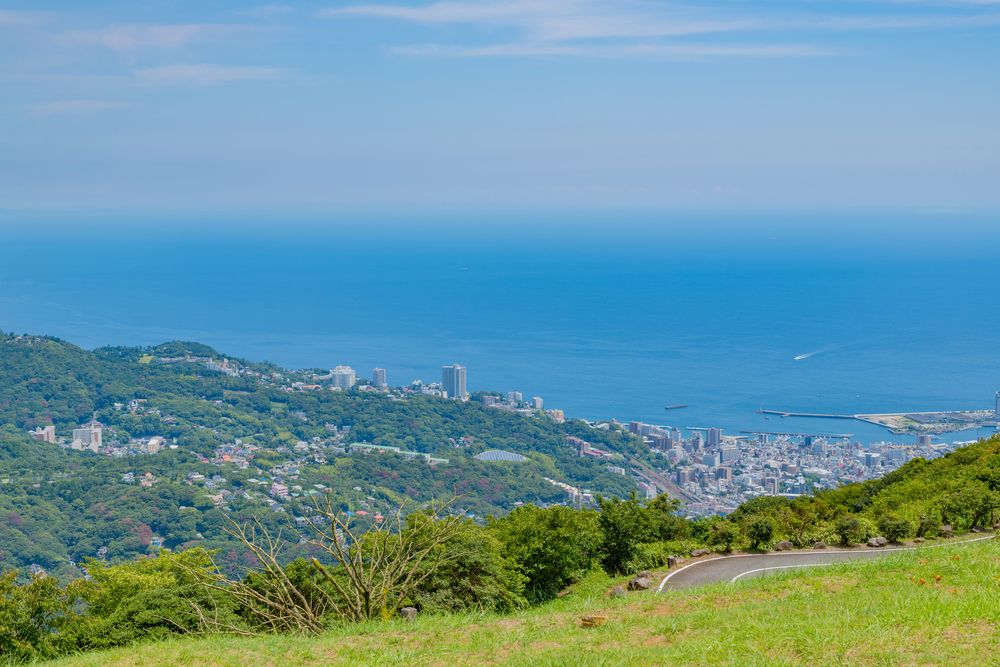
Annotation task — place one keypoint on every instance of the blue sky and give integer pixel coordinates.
(335, 106)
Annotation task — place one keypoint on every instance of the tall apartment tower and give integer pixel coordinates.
(45, 434)
(997, 409)
(714, 437)
(453, 381)
(343, 377)
(379, 378)
(88, 436)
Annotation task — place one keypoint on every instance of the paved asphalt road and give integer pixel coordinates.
(743, 566)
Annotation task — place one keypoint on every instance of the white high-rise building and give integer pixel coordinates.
(45, 434)
(537, 403)
(379, 378)
(997, 410)
(453, 381)
(343, 377)
(88, 436)
(714, 437)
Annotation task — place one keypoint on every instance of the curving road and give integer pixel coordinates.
(744, 566)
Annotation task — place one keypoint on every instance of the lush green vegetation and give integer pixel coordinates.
(59, 507)
(242, 562)
(934, 607)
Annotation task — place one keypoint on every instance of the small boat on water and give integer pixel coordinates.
(675, 407)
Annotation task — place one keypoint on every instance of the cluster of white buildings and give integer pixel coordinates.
(90, 437)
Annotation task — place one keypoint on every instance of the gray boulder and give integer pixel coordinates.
(918, 540)
(946, 530)
(618, 592)
(784, 545)
(700, 552)
(408, 613)
(674, 561)
(878, 542)
(640, 584)
(820, 545)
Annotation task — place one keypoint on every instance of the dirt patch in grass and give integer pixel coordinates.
(970, 631)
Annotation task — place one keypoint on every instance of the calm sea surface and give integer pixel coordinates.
(602, 320)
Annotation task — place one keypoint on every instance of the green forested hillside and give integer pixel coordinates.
(59, 506)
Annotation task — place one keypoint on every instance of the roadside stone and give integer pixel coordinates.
(640, 584)
(878, 542)
(918, 540)
(946, 530)
(784, 545)
(593, 621)
(819, 545)
(700, 552)
(645, 573)
(674, 561)
(618, 592)
(408, 613)
(977, 529)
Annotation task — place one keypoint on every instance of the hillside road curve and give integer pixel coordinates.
(744, 566)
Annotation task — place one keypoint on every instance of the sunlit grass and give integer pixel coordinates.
(940, 606)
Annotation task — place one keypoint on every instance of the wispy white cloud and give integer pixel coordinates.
(13, 19)
(75, 106)
(556, 19)
(610, 51)
(136, 37)
(204, 74)
(618, 28)
(866, 23)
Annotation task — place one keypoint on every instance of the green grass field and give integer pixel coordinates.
(936, 607)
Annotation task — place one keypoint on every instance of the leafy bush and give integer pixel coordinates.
(894, 528)
(654, 555)
(148, 599)
(759, 532)
(553, 547)
(33, 618)
(480, 579)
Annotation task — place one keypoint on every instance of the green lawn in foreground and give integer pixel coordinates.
(939, 606)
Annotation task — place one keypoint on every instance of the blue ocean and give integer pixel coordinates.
(601, 315)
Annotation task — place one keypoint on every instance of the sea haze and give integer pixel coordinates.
(601, 317)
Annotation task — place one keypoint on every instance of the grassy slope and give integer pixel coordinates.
(890, 611)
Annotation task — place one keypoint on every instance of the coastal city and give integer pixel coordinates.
(711, 471)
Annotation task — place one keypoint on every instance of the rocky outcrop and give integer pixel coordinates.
(640, 584)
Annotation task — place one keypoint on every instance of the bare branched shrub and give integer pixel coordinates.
(381, 568)
(373, 573)
(269, 597)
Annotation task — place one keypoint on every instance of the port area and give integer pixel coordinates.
(911, 423)
(930, 423)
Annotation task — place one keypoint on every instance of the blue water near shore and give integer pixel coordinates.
(603, 319)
